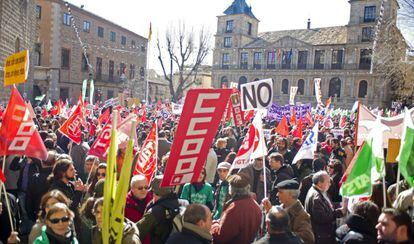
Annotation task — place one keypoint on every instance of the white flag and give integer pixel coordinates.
(261, 149)
(308, 147)
(293, 91)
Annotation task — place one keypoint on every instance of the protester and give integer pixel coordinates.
(306, 183)
(320, 208)
(277, 225)
(199, 192)
(196, 226)
(241, 215)
(157, 219)
(6, 228)
(222, 191)
(221, 150)
(211, 165)
(231, 139)
(78, 153)
(394, 226)
(46, 203)
(137, 198)
(335, 172)
(130, 234)
(359, 227)
(405, 202)
(164, 145)
(299, 224)
(255, 175)
(58, 228)
(99, 174)
(280, 172)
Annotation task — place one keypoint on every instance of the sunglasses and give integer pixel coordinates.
(140, 188)
(101, 174)
(63, 220)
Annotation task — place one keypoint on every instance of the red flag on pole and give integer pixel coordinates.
(104, 117)
(2, 177)
(147, 159)
(297, 131)
(72, 126)
(18, 134)
(282, 128)
(293, 119)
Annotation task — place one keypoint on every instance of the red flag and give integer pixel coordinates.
(248, 115)
(293, 119)
(297, 131)
(104, 117)
(18, 134)
(44, 113)
(72, 126)
(147, 159)
(328, 102)
(100, 146)
(309, 119)
(282, 128)
(2, 177)
(248, 145)
(202, 112)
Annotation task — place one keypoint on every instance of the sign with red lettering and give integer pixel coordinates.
(202, 112)
(18, 134)
(100, 147)
(248, 145)
(236, 108)
(72, 126)
(147, 159)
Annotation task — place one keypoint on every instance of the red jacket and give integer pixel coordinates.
(239, 222)
(134, 210)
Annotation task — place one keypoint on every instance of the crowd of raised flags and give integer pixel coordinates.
(196, 123)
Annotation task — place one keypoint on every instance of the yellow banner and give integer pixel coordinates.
(16, 68)
(393, 150)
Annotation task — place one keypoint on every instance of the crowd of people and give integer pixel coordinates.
(60, 199)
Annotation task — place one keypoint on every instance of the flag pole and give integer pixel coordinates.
(2, 167)
(264, 177)
(8, 206)
(384, 191)
(398, 180)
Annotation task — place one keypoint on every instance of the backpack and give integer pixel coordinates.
(177, 222)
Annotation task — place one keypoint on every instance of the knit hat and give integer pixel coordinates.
(99, 188)
(239, 181)
(156, 186)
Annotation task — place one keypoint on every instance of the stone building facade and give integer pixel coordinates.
(116, 57)
(340, 56)
(17, 33)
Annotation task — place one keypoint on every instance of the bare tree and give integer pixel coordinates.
(184, 55)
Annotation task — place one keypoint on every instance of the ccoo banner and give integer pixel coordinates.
(257, 95)
(201, 116)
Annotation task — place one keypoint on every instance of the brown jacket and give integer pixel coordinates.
(300, 223)
(239, 222)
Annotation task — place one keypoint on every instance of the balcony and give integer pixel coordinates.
(318, 66)
(302, 66)
(286, 66)
(257, 66)
(106, 78)
(337, 66)
(244, 65)
(364, 66)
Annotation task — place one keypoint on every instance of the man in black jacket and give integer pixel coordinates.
(196, 226)
(280, 172)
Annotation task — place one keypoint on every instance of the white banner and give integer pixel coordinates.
(257, 95)
(318, 91)
(293, 91)
(177, 108)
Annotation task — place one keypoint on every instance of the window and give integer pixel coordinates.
(122, 70)
(302, 59)
(100, 31)
(242, 80)
(225, 62)
(86, 26)
(362, 89)
(84, 67)
(142, 48)
(112, 36)
(64, 93)
(271, 60)
(369, 13)
(334, 87)
(244, 57)
(38, 11)
(110, 94)
(227, 42)
(142, 71)
(67, 19)
(257, 60)
(367, 34)
(301, 87)
(319, 59)
(131, 71)
(65, 58)
(132, 43)
(365, 59)
(337, 59)
(111, 70)
(98, 67)
(229, 26)
(249, 28)
(123, 40)
(38, 53)
(287, 59)
(285, 86)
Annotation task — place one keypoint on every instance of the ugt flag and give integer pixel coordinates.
(308, 147)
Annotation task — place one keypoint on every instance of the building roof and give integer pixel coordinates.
(239, 7)
(315, 36)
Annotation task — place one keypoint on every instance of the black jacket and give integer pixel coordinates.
(285, 238)
(38, 186)
(284, 173)
(190, 234)
(69, 191)
(356, 230)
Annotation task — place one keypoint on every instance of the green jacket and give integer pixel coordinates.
(44, 239)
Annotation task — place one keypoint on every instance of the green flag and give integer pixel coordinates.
(406, 155)
(369, 166)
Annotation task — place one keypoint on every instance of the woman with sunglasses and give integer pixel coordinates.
(46, 203)
(58, 227)
(100, 173)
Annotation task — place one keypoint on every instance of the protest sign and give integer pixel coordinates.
(257, 95)
(16, 68)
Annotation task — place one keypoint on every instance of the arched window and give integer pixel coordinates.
(224, 82)
(285, 86)
(301, 87)
(334, 87)
(242, 80)
(362, 89)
